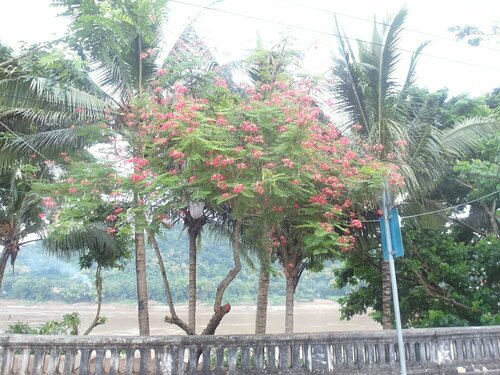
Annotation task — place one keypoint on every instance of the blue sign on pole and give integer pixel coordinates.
(396, 239)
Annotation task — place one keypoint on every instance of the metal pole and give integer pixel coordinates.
(395, 298)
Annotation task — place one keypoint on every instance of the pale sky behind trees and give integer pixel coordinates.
(232, 36)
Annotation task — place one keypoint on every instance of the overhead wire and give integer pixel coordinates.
(440, 210)
(334, 13)
(329, 34)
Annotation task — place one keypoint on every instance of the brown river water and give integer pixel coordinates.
(317, 316)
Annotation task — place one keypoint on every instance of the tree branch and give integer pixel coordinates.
(98, 286)
(173, 319)
(220, 311)
(436, 292)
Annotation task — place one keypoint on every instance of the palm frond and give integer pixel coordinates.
(348, 84)
(79, 240)
(28, 100)
(464, 138)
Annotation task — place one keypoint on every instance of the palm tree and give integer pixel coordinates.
(120, 41)
(19, 218)
(372, 101)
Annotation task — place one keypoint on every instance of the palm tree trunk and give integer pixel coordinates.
(386, 297)
(142, 288)
(290, 291)
(262, 294)
(3, 264)
(192, 281)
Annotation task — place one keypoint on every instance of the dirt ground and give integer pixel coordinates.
(317, 316)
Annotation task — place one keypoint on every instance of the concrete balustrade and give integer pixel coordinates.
(428, 351)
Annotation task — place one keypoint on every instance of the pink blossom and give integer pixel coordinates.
(249, 127)
(217, 177)
(257, 187)
(176, 154)
(48, 202)
(161, 72)
(111, 230)
(137, 177)
(72, 190)
(180, 89)
(355, 223)
(327, 227)
(111, 218)
(257, 154)
(238, 188)
(220, 82)
(41, 216)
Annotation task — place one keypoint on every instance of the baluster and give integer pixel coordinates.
(9, 360)
(114, 362)
(84, 361)
(25, 360)
(37, 360)
(232, 360)
(245, 359)
(100, 355)
(192, 360)
(271, 357)
(219, 367)
(145, 354)
(206, 359)
(349, 355)
(284, 356)
(296, 350)
(259, 357)
(129, 361)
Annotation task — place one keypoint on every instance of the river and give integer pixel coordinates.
(317, 316)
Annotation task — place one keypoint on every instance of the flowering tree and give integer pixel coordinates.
(266, 159)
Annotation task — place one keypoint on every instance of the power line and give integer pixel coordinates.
(451, 207)
(379, 23)
(440, 210)
(328, 33)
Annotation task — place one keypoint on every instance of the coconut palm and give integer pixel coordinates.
(119, 41)
(19, 218)
(372, 101)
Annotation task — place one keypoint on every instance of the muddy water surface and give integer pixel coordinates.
(318, 316)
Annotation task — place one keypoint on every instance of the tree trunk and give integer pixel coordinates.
(219, 310)
(290, 292)
(3, 264)
(386, 297)
(142, 288)
(98, 288)
(173, 318)
(192, 281)
(262, 294)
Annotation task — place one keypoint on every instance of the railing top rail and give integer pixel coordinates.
(273, 339)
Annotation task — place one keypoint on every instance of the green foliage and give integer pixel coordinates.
(441, 282)
(67, 326)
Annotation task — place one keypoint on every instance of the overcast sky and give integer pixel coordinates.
(446, 63)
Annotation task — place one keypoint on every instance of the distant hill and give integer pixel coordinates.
(40, 277)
